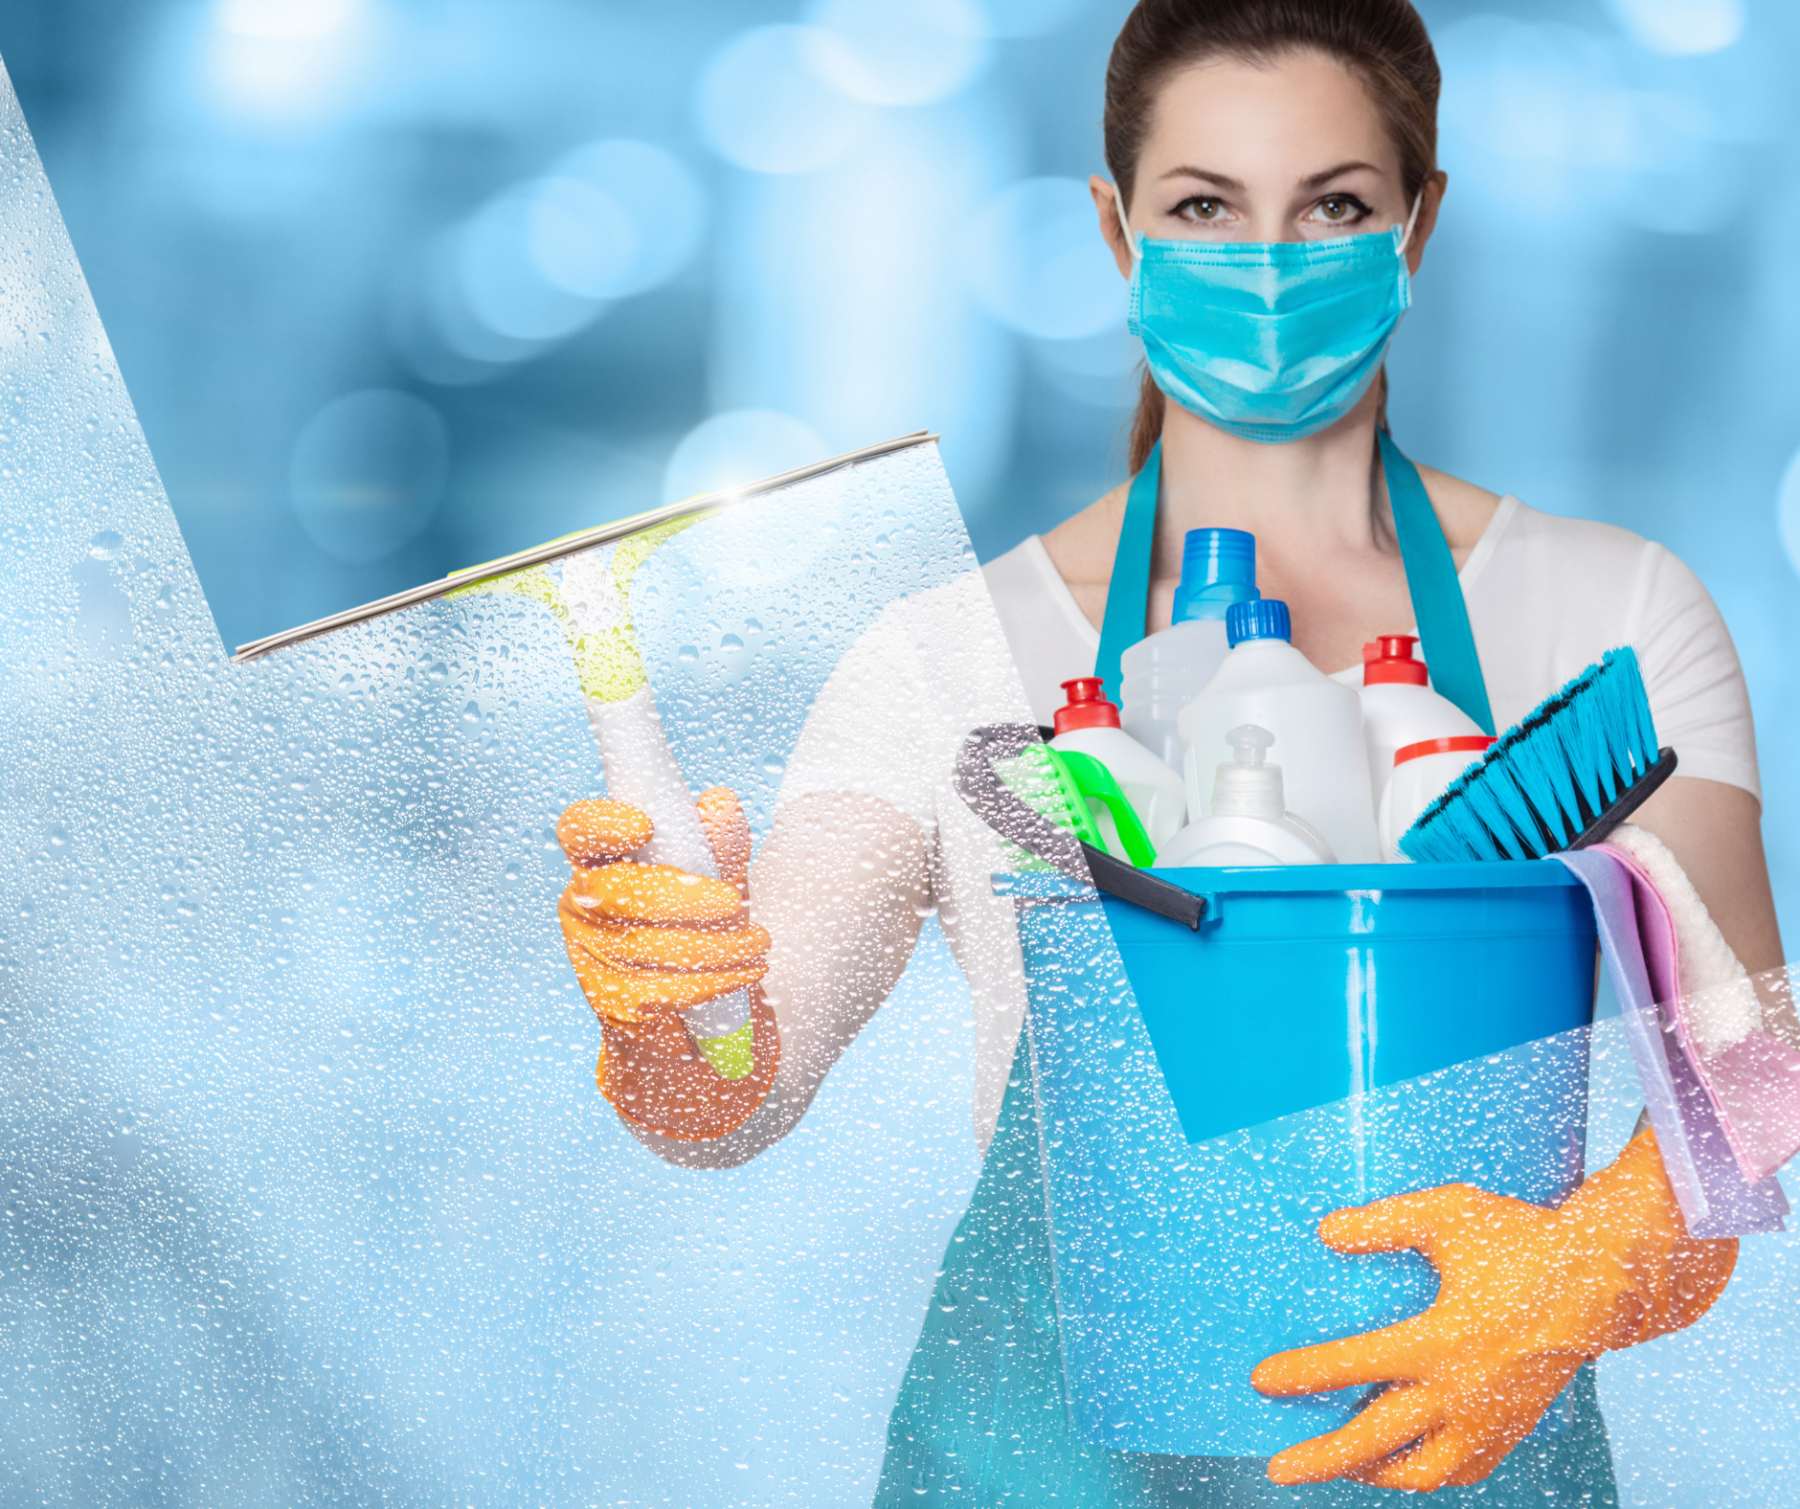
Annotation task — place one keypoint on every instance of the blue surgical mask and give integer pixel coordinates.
(1270, 341)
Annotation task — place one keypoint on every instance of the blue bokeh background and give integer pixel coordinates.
(400, 285)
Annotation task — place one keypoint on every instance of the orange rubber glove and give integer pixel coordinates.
(1526, 1295)
(647, 942)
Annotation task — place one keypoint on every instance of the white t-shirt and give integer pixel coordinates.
(1547, 597)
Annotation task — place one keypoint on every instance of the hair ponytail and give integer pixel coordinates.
(1382, 41)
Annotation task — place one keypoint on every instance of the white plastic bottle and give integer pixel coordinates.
(1089, 724)
(1400, 709)
(1250, 824)
(1316, 722)
(1422, 773)
(1163, 672)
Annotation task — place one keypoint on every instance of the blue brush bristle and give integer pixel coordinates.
(1549, 776)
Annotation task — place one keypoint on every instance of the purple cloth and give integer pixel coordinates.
(1637, 937)
(1754, 1085)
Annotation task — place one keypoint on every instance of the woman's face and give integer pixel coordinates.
(1292, 150)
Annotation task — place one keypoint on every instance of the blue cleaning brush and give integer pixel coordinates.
(1562, 778)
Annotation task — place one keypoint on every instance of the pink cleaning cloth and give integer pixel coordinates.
(1738, 1031)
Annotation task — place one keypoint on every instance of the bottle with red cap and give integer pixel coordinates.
(1422, 773)
(1400, 709)
(1089, 724)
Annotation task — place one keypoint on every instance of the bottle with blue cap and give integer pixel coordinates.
(1165, 671)
(1316, 724)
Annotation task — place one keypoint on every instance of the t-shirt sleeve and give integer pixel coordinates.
(1697, 692)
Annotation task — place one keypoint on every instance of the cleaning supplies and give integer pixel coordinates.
(1400, 709)
(1164, 672)
(1422, 773)
(1562, 778)
(1249, 823)
(1316, 724)
(1089, 724)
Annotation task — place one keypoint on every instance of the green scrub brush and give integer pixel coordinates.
(1007, 777)
(1560, 779)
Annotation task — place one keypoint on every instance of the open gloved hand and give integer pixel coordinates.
(649, 941)
(1527, 1294)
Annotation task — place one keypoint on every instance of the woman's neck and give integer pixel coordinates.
(1324, 534)
(1315, 495)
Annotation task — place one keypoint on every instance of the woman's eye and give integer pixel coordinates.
(1341, 209)
(1201, 208)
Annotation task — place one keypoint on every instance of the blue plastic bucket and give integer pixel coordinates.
(1330, 1035)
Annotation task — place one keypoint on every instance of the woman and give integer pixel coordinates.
(1275, 146)
(1252, 144)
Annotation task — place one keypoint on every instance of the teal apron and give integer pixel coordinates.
(981, 1417)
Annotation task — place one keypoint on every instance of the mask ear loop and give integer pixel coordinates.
(1411, 221)
(1125, 226)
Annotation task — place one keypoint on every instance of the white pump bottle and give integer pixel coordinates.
(1249, 823)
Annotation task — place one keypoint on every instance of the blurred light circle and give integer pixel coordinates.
(500, 278)
(764, 105)
(435, 330)
(737, 447)
(1787, 511)
(284, 20)
(286, 60)
(899, 52)
(580, 238)
(367, 473)
(1026, 18)
(1681, 27)
(1038, 262)
(660, 199)
(1535, 93)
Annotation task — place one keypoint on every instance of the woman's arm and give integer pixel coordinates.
(1714, 830)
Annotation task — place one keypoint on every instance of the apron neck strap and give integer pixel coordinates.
(1438, 607)
(1128, 594)
(1437, 597)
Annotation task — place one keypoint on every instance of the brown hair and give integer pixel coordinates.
(1382, 41)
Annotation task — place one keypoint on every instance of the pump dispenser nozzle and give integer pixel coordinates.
(1247, 787)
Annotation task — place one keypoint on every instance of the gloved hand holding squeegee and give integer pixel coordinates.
(654, 918)
(650, 943)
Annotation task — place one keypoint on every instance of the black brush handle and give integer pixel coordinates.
(1151, 892)
(1633, 797)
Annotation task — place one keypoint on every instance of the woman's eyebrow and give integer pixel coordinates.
(1317, 179)
(1221, 179)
